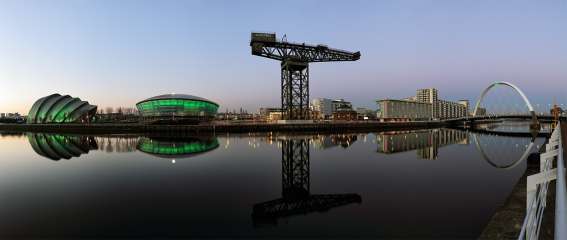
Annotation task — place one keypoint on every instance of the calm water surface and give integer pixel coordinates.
(426, 183)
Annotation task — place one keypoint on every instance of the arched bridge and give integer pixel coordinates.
(507, 84)
(530, 114)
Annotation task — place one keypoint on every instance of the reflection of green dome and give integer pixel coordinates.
(178, 148)
(60, 109)
(56, 147)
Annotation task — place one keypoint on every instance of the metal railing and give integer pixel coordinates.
(560, 198)
(537, 186)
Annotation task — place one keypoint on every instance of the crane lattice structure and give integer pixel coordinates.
(296, 195)
(295, 59)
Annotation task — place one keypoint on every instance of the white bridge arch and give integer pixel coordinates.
(518, 90)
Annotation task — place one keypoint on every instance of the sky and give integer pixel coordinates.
(116, 53)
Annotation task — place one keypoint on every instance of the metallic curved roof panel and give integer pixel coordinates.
(178, 96)
(56, 115)
(80, 111)
(36, 106)
(57, 109)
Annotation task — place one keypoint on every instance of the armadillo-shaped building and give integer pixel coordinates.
(56, 108)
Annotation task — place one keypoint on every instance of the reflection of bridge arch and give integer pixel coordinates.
(508, 166)
(518, 90)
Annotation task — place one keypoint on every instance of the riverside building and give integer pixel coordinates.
(427, 99)
(403, 110)
(442, 109)
(325, 108)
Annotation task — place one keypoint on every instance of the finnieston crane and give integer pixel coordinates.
(295, 59)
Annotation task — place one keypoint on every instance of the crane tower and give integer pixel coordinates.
(295, 59)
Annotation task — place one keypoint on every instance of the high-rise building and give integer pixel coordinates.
(429, 95)
(341, 105)
(442, 109)
(466, 104)
(323, 106)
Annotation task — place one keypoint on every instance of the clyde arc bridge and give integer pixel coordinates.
(531, 114)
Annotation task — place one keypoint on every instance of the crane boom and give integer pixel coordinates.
(266, 45)
(295, 59)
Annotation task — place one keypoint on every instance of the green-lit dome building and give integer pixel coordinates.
(61, 109)
(177, 147)
(177, 108)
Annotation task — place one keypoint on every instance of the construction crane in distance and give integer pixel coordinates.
(295, 59)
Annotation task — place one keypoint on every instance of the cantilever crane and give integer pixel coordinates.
(295, 59)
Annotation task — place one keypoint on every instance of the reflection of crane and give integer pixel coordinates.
(295, 59)
(296, 196)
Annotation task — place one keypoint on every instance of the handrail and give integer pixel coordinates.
(560, 198)
(537, 187)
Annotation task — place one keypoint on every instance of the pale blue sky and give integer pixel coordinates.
(115, 53)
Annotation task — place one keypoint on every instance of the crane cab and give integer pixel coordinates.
(321, 47)
(263, 37)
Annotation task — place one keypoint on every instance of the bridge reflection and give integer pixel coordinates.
(426, 142)
(57, 146)
(508, 143)
(296, 195)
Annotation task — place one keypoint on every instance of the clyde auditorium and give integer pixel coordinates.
(61, 109)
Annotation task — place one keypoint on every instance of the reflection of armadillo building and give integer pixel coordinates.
(177, 147)
(426, 142)
(56, 147)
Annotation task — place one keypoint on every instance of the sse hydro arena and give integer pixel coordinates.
(176, 109)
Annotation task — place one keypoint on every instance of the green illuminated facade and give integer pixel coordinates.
(173, 108)
(173, 148)
(61, 109)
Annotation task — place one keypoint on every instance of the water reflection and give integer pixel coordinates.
(513, 126)
(177, 147)
(56, 146)
(296, 195)
(334, 140)
(238, 186)
(117, 143)
(426, 142)
(505, 143)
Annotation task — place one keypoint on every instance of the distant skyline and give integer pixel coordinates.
(116, 53)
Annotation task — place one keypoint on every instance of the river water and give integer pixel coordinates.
(435, 183)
